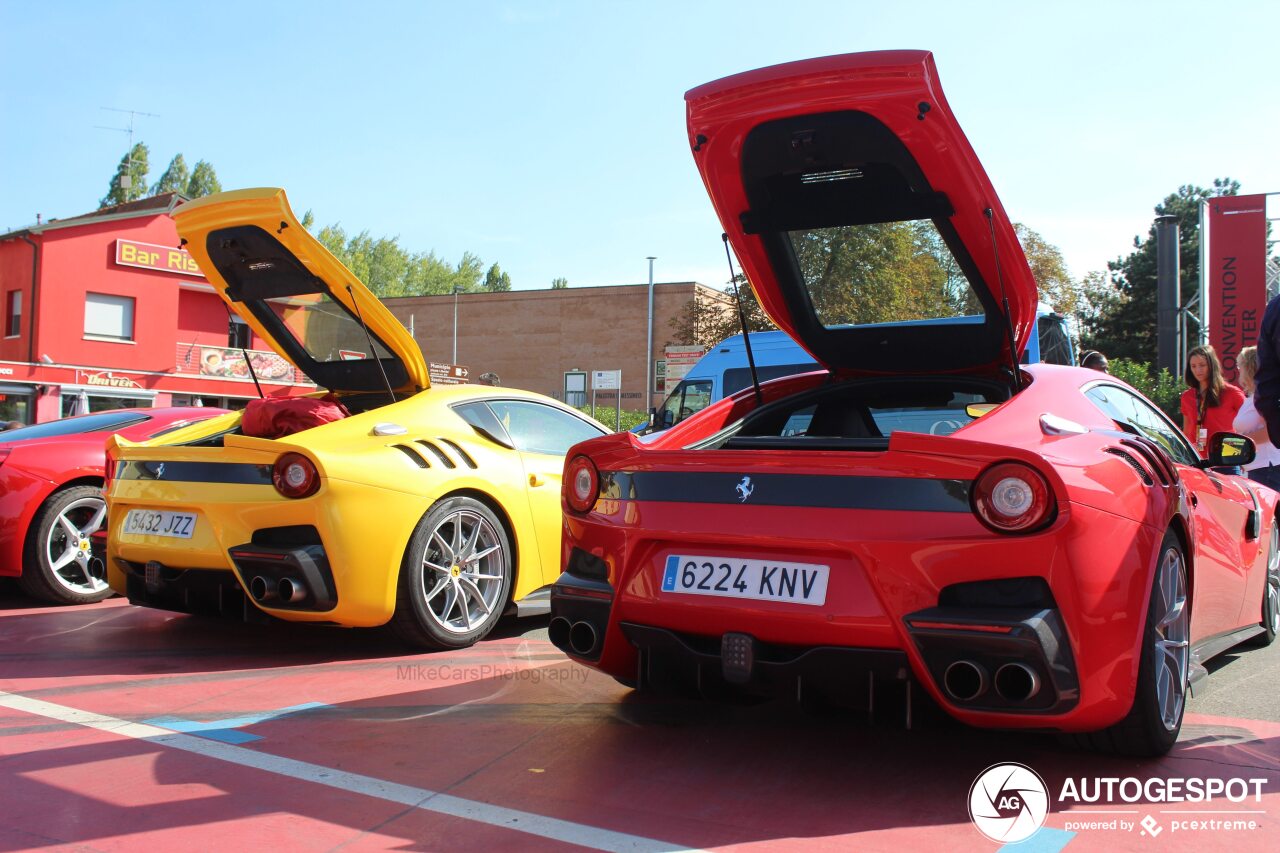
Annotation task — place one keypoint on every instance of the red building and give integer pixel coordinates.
(105, 310)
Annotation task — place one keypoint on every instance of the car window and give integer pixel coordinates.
(737, 378)
(1133, 411)
(691, 396)
(538, 428)
(932, 419)
(100, 422)
(484, 421)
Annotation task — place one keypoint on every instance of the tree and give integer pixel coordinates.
(1125, 325)
(174, 179)
(133, 166)
(709, 318)
(496, 281)
(203, 182)
(559, 283)
(1057, 289)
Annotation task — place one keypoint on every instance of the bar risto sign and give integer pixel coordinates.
(131, 253)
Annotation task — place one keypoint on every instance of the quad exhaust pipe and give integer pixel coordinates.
(966, 680)
(579, 637)
(285, 590)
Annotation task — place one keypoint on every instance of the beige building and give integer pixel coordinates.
(532, 338)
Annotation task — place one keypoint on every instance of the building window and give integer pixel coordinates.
(108, 316)
(13, 314)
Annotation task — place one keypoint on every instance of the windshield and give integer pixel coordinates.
(884, 272)
(324, 328)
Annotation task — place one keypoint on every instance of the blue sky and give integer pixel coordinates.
(549, 136)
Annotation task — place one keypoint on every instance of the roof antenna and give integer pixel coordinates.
(1008, 318)
(742, 320)
(368, 337)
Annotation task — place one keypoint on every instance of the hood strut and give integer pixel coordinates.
(742, 321)
(1008, 320)
(373, 352)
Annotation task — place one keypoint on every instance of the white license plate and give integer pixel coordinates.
(733, 577)
(160, 522)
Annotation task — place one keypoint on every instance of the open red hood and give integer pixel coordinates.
(858, 208)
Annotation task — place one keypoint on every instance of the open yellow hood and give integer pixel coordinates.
(296, 295)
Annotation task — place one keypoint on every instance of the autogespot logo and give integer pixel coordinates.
(1008, 802)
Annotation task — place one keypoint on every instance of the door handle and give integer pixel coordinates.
(1195, 501)
(535, 480)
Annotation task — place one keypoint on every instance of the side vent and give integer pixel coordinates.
(437, 452)
(413, 455)
(1134, 464)
(462, 454)
(1155, 456)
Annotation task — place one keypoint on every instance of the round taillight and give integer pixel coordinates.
(295, 476)
(1012, 498)
(581, 484)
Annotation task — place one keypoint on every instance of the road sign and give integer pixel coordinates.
(606, 380)
(443, 373)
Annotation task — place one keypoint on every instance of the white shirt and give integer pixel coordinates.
(1248, 420)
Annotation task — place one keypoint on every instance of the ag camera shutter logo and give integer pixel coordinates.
(1008, 802)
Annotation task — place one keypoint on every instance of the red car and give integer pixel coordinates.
(51, 508)
(1036, 547)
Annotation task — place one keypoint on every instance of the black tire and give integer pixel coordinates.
(1270, 594)
(1151, 727)
(82, 578)
(448, 603)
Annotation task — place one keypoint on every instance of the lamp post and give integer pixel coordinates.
(648, 349)
(456, 290)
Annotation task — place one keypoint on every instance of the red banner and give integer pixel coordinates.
(1235, 275)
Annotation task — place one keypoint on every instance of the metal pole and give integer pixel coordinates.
(648, 349)
(1168, 301)
(455, 324)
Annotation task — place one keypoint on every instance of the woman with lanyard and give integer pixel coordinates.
(1210, 403)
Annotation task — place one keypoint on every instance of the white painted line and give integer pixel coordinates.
(369, 786)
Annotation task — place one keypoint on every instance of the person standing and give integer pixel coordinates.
(1265, 468)
(1210, 403)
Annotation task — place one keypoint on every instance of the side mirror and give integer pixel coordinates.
(668, 418)
(1228, 449)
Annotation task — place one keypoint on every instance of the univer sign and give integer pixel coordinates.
(131, 253)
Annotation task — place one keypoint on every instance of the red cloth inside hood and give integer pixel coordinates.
(276, 417)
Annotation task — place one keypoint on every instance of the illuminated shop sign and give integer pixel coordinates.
(131, 253)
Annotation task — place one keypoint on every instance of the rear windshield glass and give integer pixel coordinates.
(324, 328)
(885, 272)
(74, 426)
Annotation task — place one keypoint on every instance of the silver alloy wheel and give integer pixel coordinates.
(1273, 578)
(463, 570)
(69, 551)
(1172, 647)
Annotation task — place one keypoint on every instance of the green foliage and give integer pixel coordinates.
(1057, 289)
(707, 319)
(387, 269)
(174, 179)
(1125, 324)
(559, 283)
(133, 164)
(607, 415)
(204, 181)
(496, 281)
(1162, 388)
